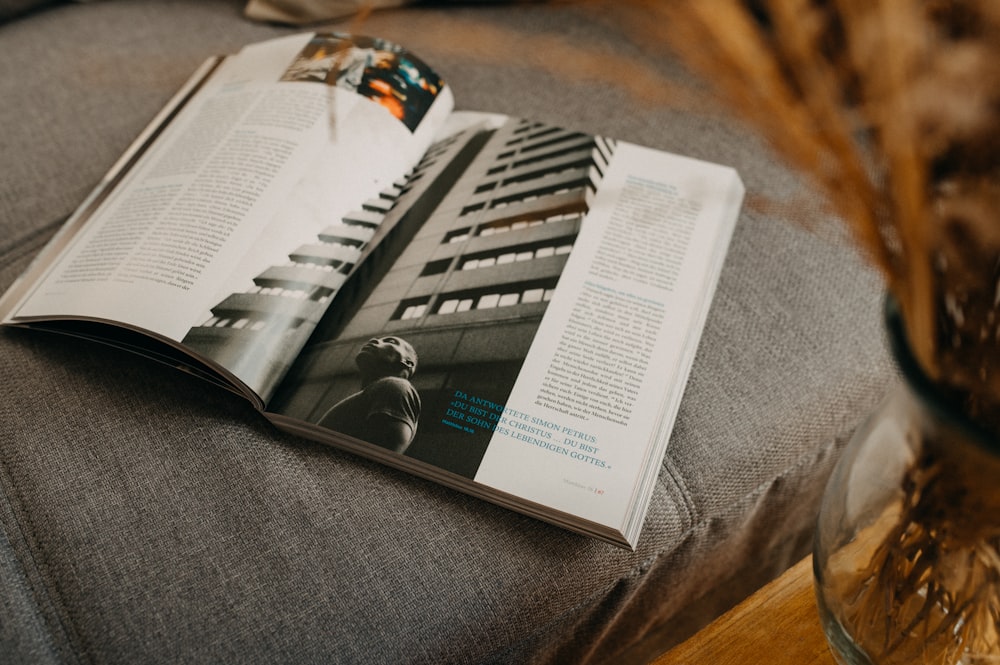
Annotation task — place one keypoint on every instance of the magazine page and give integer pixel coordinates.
(526, 333)
(286, 140)
(593, 406)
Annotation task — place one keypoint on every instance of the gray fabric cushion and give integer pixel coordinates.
(145, 516)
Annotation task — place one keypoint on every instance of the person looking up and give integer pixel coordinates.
(387, 408)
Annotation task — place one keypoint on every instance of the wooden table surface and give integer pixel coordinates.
(777, 625)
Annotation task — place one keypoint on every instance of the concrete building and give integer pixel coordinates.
(256, 334)
(477, 246)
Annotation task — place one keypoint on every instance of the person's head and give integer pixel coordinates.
(386, 356)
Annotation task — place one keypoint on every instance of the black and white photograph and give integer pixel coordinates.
(457, 278)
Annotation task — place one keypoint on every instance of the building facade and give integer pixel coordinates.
(471, 253)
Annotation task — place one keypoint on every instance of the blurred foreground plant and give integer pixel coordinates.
(891, 108)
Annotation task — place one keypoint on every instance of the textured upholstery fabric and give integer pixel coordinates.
(148, 517)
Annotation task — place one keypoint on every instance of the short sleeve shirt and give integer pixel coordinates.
(390, 397)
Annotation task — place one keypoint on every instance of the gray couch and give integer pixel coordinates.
(148, 517)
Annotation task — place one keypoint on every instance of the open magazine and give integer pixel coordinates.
(504, 306)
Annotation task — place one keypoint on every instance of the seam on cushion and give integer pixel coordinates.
(19, 525)
(592, 601)
(808, 458)
(45, 591)
(681, 489)
(637, 571)
(29, 243)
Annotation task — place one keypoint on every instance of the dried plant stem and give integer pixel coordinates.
(933, 575)
(912, 282)
(891, 108)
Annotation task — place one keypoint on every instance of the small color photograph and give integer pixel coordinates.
(374, 68)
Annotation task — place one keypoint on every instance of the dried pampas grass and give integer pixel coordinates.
(892, 109)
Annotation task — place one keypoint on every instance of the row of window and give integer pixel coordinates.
(503, 226)
(294, 294)
(506, 257)
(494, 300)
(486, 299)
(552, 172)
(542, 132)
(321, 296)
(239, 324)
(526, 126)
(578, 184)
(319, 267)
(525, 197)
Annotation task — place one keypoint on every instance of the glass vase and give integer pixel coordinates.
(907, 549)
